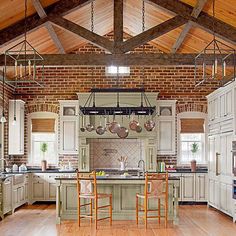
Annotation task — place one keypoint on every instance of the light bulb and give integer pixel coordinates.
(3, 119)
(14, 121)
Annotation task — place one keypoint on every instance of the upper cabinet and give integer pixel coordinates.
(166, 127)
(68, 127)
(221, 109)
(16, 127)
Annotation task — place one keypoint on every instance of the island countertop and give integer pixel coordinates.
(115, 177)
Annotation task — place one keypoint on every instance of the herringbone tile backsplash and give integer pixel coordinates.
(105, 152)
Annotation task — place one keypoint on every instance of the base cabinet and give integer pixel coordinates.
(193, 187)
(7, 195)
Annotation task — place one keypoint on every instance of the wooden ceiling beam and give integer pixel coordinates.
(153, 33)
(94, 38)
(118, 24)
(90, 59)
(195, 13)
(51, 31)
(62, 7)
(204, 21)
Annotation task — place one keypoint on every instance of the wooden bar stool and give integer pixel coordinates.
(87, 189)
(156, 187)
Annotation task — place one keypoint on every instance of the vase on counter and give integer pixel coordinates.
(122, 165)
(44, 165)
(193, 165)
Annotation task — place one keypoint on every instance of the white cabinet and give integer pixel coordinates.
(166, 127)
(69, 127)
(193, 187)
(43, 187)
(221, 107)
(201, 187)
(38, 189)
(16, 129)
(188, 187)
(7, 195)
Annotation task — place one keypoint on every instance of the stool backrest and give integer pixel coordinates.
(156, 184)
(86, 183)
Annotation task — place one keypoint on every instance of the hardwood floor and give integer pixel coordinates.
(39, 220)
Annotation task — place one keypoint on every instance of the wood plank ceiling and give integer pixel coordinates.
(195, 40)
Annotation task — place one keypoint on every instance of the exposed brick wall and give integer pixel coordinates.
(62, 83)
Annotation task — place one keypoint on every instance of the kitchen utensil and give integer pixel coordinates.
(122, 132)
(114, 126)
(133, 124)
(89, 127)
(100, 129)
(138, 128)
(82, 129)
(149, 125)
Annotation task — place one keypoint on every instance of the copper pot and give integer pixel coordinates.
(123, 132)
(149, 125)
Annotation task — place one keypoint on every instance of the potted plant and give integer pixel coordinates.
(194, 150)
(44, 148)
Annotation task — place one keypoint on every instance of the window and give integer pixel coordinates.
(121, 70)
(191, 137)
(187, 141)
(43, 130)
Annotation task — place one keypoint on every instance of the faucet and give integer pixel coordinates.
(141, 161)
(4, 160)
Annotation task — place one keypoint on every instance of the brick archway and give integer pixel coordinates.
(42, 107)
(195, 107)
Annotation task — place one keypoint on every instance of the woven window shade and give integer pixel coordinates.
(192, 125)
(43, 125)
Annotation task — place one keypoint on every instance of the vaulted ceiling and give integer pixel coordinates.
(49, 40)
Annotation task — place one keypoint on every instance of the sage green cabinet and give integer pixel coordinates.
(84, 158)
(151, 163)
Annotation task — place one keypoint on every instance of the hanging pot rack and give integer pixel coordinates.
(145, 107)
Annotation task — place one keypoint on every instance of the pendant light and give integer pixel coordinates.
(24, 58)
(14, 112)
(220, 66)
(3, 118)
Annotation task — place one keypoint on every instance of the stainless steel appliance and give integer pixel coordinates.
(234, 157)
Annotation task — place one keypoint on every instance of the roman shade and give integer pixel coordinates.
(192, 125)
(43, 125)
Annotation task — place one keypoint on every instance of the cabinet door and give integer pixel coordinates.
(223, 196)
(69, 132)
(16, 131)
(188, 187)
(151, 158)
(211, 192)
(84, 158)
(229, 200)
(166, 136)
(217, 194)
(38, 190)
(26, 189)
(222, 105)
(20, 194)
(7, 196)
(201, 187)
(228, 103)
(15, 197)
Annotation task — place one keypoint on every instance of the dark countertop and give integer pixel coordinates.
(115, 178)
(40, 171)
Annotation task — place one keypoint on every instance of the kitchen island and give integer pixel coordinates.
(123, 191)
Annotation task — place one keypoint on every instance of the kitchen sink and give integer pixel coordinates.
(18, 179)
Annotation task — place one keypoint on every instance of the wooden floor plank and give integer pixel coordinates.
(39, 220)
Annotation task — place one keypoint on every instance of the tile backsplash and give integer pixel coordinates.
(105, 152)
